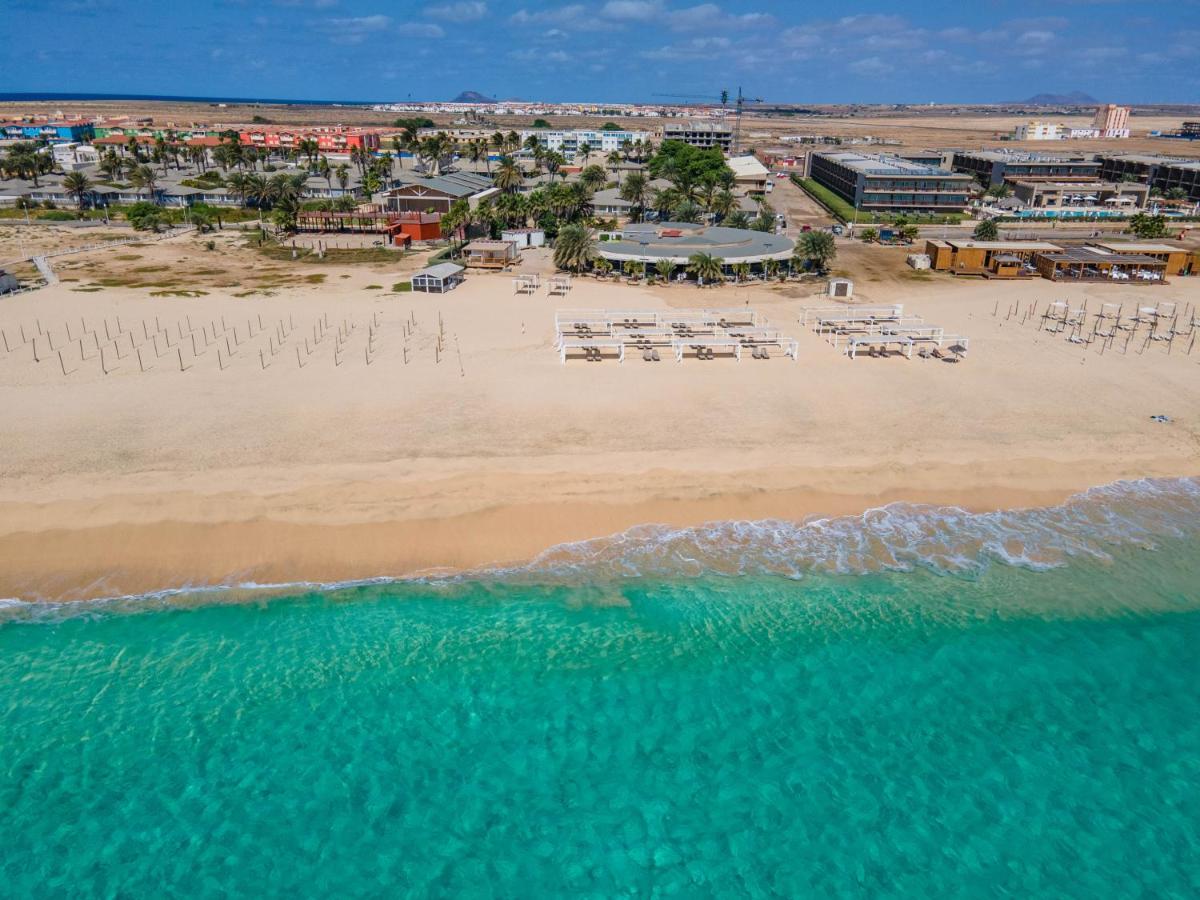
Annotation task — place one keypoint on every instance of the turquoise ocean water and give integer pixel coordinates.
(915, 702)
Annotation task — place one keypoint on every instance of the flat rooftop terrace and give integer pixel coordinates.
(885, 165)
(678, 241)
(1035, 246)
(1027, 156)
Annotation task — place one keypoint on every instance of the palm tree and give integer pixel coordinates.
(987, 230)
(258, 189)
(737, 219)
(475, 153)
(23, 157)
(664, 268)
(614, 163)
(817, 249)
(513, 140)
(508, 175)
(342, 171)
(635, 270)
(741, 271)
(574, 248)
(554, 163)
(239, 185)
(722, 204)
(585, 150)
(112, 166)
(706, 268)
(665, 200)
(686, 211)
(78, 185)
(770, 268)
(143, 178)
(635, 191)
(593, 177)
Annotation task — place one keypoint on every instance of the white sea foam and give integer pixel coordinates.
(899, 537)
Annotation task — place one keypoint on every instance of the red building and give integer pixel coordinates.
(329, 140)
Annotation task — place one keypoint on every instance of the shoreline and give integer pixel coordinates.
(121, 553)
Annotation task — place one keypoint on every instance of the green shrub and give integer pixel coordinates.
(56, 215)
(402, 287)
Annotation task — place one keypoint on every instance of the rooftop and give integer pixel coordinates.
(441, 270)
(677, 241)
(1037, 246)
(1148, 160)
(1139, 247)
(1027, 156)
(879, 164)
(747, 167)
(1092, 255)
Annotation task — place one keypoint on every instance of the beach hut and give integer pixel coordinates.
(841, 287)
(438, 279)
(490, 254)
(524, 237)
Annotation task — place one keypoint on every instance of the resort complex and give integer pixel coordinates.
(605, 448)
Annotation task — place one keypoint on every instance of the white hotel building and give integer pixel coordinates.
(570, 141)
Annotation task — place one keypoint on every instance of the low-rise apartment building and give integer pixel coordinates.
(992, 167)
(890, 184)
(570, 140)
(1161, 173)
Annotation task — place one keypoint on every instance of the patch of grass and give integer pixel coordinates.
(315, 278)
(127, 257)
(152, 269)
(373, 287)
(402, 287)
(87, 290)
(179, 293)
(343, 276)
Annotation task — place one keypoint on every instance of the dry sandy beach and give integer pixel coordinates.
(490, 451)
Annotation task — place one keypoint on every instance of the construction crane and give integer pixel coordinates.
(723, 99)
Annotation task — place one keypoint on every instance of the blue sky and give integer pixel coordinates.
(606, 49)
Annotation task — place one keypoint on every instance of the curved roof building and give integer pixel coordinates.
(651, 241)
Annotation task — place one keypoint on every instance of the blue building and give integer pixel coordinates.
(53, 132)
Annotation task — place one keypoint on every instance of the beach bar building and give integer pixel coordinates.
(438, 279)
(990, 259)
(484, 254)
(1178, 259)
(1095, 264)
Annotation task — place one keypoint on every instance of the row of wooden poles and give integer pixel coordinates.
(121, 342)
(1106, 327)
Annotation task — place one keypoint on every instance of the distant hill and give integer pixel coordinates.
(472, 97)
(1075, 98)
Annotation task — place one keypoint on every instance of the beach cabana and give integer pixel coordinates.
(438, 279)
(490, 254)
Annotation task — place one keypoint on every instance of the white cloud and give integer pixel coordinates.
(710, 16)
(420, 29)
(354, 29)
(466, 11)
(573, 17)
(697, 48)
(631, 10)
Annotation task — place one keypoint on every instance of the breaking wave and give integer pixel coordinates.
(898, 537)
